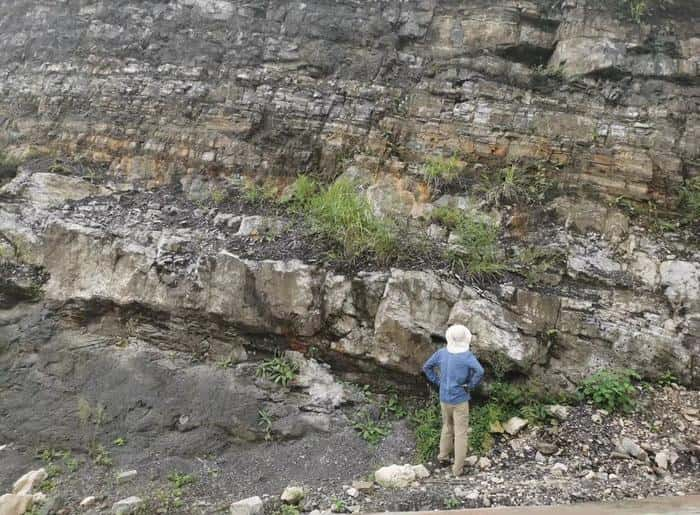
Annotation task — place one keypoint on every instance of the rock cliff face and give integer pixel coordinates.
(139, 264)
(157, 90)
(190, 92)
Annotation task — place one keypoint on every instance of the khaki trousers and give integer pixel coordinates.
(455, 429)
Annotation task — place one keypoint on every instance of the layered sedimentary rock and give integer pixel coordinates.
(156, 90)
(122, 266)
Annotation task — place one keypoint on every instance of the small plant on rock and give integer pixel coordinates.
(635, 9)
(535, 263)
(279, 370)
(101, 456)
(452, 503)
(8, 167)
(218, 196)
(440, 171)
(180, 480)
(338, 506)
(447, 216)
(302, 192)
(667, 379)
(258, 193)
(689, 202)
(370, 430)
(611, 390)
(476, 251)
(226, 362)
(393, 408)
(288, 509)
(265, 422)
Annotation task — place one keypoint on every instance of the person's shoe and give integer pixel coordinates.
(457, 473)
(443, 463)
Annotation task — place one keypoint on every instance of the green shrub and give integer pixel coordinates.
(342, 215)
(180, 480)
(338, 506)
(689, 202)
(512, 185)
(452, 503)
(8, 167)
(218, 196)
(265, 422)
(635, 9)
(371, 431)
(288, 509)
(257, 193)
(439, 171)
(611, 389)
(302, 192)
(535, 263)
(279, 369)
(476, 251)
(393, 407)
(427, 425)
(667, 379)
(482, 420)
(505, 186)
(447, 216)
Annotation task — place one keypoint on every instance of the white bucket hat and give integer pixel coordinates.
(458, 339)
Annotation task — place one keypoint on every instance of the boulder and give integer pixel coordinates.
(363, 486)
(661, 459)
(421, 471)
(395, 476)
(631, 448)
(292, 495)
(126, 506)
(88, 501)
(249, 506)
(558, 411)
(496, 335)
(257, 226)
(15, 504)
(559, 469)
(514, 425)
(25, 484)
(484, 463)
(415, 308)
(126, 475)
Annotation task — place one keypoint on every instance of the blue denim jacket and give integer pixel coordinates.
(459, 373)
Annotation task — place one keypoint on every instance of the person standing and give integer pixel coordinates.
(456, 371)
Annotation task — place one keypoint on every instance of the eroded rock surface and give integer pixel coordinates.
(155, 90)
(183, 285)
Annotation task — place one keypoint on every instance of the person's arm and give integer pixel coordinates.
(429, 368)
(477, 373)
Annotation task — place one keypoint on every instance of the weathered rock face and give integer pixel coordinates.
(124, 269)
(157, 89)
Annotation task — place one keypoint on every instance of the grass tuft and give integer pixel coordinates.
(476, 251)
(340, 214)
(440, 171)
